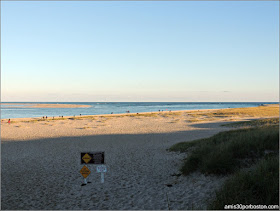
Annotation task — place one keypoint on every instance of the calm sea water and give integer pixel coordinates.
(21, 111)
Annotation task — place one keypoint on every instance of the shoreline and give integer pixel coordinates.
(128, 123)
(111, 115)
(140, 113)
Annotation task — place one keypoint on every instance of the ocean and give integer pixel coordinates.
(21, 111)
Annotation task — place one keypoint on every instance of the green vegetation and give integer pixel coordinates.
(228, 151)
(144, 114)
(170, 114)
(250, 155)
(258, 185)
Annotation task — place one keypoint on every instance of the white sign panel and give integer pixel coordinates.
(101, 169)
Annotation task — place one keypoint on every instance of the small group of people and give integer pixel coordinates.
(44, 117)
(75, 115)
(162, 110)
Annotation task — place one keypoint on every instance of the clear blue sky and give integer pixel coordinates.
(140, 51)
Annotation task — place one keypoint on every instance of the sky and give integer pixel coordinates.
(149, 51)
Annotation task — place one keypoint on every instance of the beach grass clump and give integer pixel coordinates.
(195, 120)
(202, 116)
(170, 114)
(228, 151)
(174, 121)
(147, 115)
(258, 185)
(185, 146)
(34, 121)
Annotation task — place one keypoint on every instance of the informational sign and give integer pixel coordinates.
(101, 168)
(92, 157)
(85, 171)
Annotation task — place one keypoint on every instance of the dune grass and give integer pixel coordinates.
(229, 151)
(248, 156)
(144, 115)
(254, 123)
(230, 113)
(258, 185)
(270, 110)
(170, 114)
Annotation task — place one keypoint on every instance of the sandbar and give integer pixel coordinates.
(40, 105)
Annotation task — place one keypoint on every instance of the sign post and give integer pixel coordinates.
(101, 169)
(102, 177)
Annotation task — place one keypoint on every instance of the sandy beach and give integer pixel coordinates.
(41, 160)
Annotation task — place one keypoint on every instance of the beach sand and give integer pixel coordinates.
(41, 160)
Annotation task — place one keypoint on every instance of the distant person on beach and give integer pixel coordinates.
(46, 117)
(62, 116)
(80, 114)
(43, 117)
(111, 112)
(9, 121)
